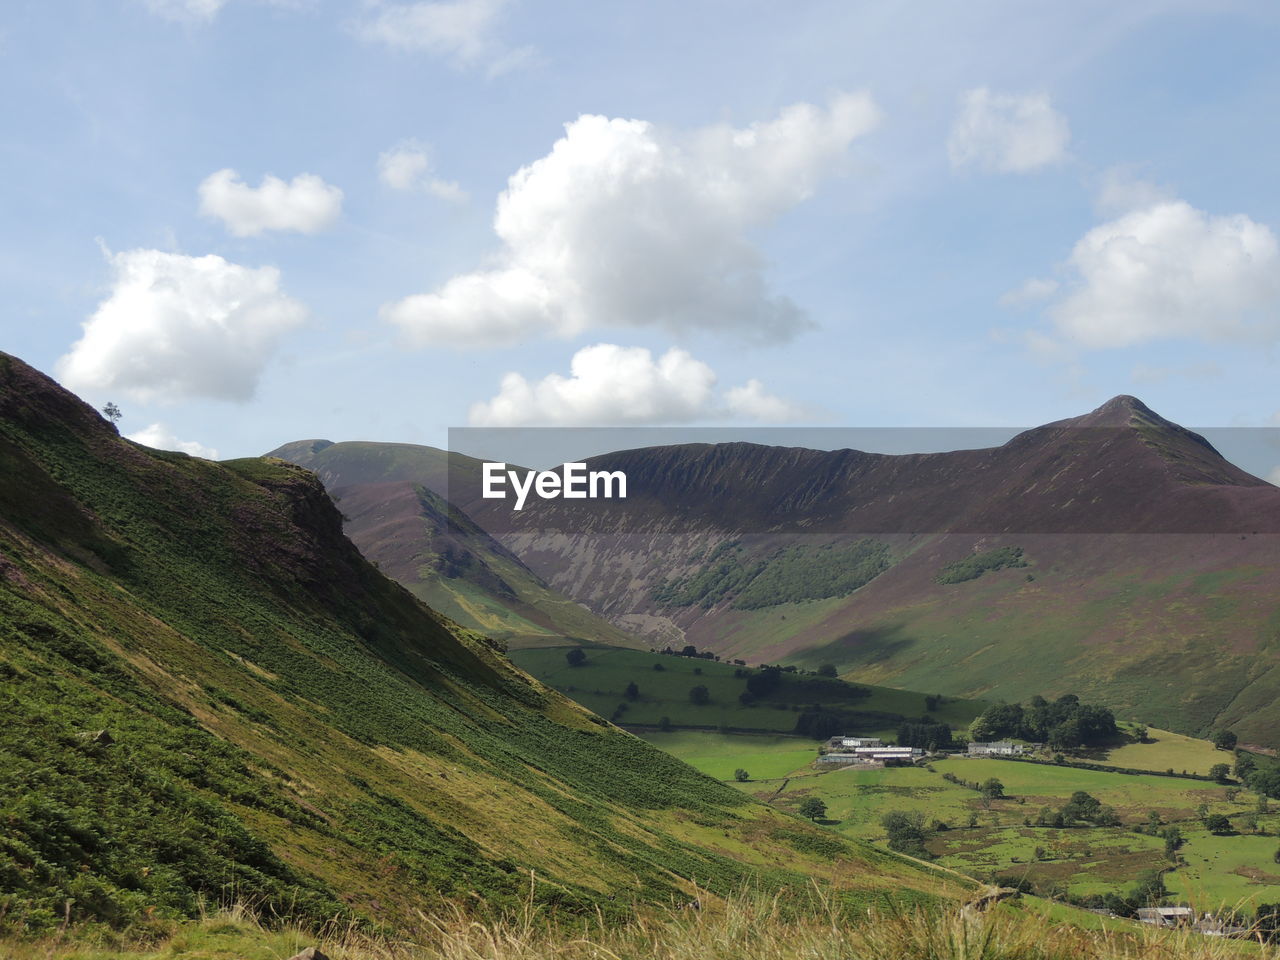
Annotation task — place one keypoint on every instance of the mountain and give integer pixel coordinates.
(1115, 555)
(209, 694)
(392, 511)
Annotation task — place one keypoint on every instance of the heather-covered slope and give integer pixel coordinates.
(1115, 555)
(286, 726)
(393, 509)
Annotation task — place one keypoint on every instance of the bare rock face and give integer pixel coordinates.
(310, 953)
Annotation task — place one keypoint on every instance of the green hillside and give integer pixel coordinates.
(209, 695)
(663, 686)
(393, 511)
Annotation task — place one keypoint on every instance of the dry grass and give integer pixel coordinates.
(748, 926)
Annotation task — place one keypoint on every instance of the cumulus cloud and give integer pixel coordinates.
(624, 224)
(175, 326)
(1171, 271)
(462, 31)
(610, 385)
(1007, 133)
(306, 204)
(159, 437)
(408, 167)
(1274, 476)
(1119, 191)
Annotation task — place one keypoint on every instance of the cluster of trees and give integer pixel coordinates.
(927, 734)
(788, 575)
(1081, 806)
(1064, 724)
(690, 651)
(971, 568)
(907, 832)
(1259, 774)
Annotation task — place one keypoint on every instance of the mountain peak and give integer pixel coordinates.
(1120, 410)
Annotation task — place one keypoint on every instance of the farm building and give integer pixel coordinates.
(878, 755)
(838, 744)
(1001, 748)
(1166, 916)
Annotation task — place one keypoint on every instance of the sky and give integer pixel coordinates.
(248, 222)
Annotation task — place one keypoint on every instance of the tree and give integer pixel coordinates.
(1217, 823)
(1082, 806)
(1224, 739)
(1220, 772)
(1150, 888)
(112, 413)
(632, 692)
(664, 724)
(812, 807)
(989, 790)
(827, 670)
(576, 657)
(905, 829)
(699, 696)
(659, 667)
(741, 775)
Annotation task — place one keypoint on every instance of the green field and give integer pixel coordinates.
(600, 683)
(1168, 751)
(1080, 860)
(718, 755)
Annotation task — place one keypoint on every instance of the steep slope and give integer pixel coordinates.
(208, 694)
(391, 498)
(1114, 555)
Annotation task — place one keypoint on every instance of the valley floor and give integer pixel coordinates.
(999, 839)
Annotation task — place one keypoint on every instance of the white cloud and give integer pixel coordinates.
(159, 437)
(1274, 476)
(408, 167)
(306, 204)
(1007, 133)
(752, 401)
(612, 385)
(459, 30)
(1170, 271)
(1120, 191)
(175, 326)
(1033, 290)
(623, 224)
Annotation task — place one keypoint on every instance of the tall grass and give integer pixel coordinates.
(746, 926)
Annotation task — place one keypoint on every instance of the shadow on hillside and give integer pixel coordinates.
(875, 644)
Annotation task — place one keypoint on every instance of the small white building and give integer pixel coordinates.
(1000, 748)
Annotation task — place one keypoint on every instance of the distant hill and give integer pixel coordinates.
(209, 695)
(1115, 555)
(391, 498)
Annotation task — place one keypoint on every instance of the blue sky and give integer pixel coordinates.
(730, 213)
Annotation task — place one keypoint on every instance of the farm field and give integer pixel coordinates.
(763, 756)
(1166, 750)
(664, 684)
(999, 838)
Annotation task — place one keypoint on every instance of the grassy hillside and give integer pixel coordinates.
(664, 684)
(394, 510)
(286, 726)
